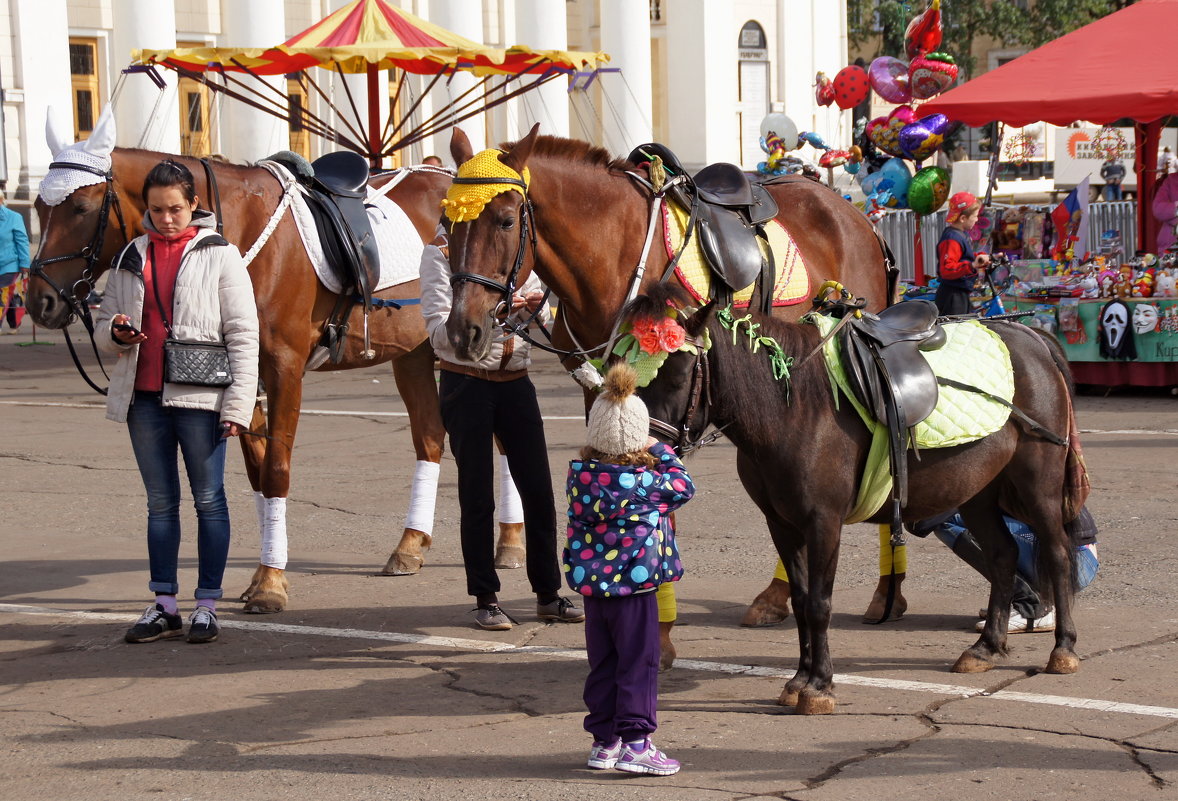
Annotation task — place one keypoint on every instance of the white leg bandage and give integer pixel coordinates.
(422, 496)
(272, 512)
(511, 508)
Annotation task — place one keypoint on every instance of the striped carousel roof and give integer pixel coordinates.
(368, 33)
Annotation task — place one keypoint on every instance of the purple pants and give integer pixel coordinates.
(622, 689)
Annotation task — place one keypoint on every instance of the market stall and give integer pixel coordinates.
(1100, 73)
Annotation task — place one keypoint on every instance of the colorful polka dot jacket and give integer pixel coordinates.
(619, 536)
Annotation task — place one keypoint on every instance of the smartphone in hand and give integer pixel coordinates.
(126, 329)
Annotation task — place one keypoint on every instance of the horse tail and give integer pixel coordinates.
(1076, 483)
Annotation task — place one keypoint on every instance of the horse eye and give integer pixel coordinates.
(81, 208)
(507, 223)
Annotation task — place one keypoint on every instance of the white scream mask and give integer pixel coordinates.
(61, 182)
(1115, 321)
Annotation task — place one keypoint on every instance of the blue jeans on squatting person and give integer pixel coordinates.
(1026, 601)
(156, 433)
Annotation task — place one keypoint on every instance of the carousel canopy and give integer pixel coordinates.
(372, 34)
(1106, 71)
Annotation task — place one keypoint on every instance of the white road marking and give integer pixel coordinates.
(577, 417)
(483, 646)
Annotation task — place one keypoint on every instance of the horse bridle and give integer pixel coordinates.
(699, 399)
(527, 235)
(91, 253)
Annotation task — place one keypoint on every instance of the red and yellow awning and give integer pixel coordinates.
(372, 33)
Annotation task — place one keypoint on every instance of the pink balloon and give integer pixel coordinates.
(889, 79)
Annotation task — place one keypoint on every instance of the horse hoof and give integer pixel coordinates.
(879, 601)
(509, 557)
(815, 702)
(969, 662)
(252, 589)
(270, 595)
(769, 608)
(788, 697)
(1063, 661)
(409, 556)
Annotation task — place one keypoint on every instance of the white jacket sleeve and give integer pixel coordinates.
(239, 329)
(436, 298)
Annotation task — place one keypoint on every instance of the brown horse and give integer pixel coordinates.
(292, 304)
(590, 219)
(800, 453)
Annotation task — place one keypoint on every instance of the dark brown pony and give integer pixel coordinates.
(292, 307)
(799, 456)
(590, 221)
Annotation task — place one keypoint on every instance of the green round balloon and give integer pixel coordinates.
(928, 190)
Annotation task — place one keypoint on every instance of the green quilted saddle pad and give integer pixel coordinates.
(972, 354)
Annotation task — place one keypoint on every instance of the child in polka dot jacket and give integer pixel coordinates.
(620, 549)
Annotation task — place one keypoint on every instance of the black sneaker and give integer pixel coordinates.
(155, 624)
(202, 625)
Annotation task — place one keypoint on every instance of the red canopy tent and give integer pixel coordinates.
(1111, 69)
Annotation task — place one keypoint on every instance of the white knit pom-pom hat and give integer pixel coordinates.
(619, 422)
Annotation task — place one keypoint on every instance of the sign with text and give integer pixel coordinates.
(1074, 157)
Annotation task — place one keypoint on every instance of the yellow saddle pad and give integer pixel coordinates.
(793, 281)
(972, 354)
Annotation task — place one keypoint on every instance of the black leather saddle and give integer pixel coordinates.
(338, 192)
(889, 375)
(728, 213)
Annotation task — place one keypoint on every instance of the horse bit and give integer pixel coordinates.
(699, 399)
(91, 253)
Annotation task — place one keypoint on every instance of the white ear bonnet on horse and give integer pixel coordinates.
(619, 422)
(61, 182)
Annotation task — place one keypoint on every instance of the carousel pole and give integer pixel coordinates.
(375, 131)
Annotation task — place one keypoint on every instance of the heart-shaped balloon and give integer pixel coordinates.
(823, 89)
(928, 190)
(930, 75)
(923, 34)
(889, 79)
(920, 139)
(886, 137)
(851, 86)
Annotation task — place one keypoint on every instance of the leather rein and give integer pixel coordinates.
(90, 253)
(699, 400)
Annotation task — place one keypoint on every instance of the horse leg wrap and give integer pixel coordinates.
(511, 508)
(423, 494)
(272, 521)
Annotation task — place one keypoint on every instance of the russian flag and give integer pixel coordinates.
(1070, 219)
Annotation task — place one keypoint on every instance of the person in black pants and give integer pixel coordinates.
(481, 401)
(957, 264)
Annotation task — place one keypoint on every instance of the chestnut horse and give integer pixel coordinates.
(292, 306)
(589, 220)
(800, 453)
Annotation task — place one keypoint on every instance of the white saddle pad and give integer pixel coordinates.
(398, 241)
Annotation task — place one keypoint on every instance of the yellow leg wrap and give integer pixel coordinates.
(887, 555)
(780, 573)
(668, 609)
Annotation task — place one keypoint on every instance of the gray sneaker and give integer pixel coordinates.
(562, 610)
(492, 618)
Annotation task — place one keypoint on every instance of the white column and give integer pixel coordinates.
(626, 98)
(42, 74)
(704, 129)
(251, 134)
(543, 25)
(145, 118)
(465, 18)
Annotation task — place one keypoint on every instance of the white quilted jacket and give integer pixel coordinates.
(213, 302)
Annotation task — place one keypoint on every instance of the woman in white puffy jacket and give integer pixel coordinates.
(180, 279)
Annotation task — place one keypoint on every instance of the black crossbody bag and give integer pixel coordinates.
(201, 364)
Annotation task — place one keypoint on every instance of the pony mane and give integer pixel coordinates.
(557, 147)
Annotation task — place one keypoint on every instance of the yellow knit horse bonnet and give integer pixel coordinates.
(466, 201)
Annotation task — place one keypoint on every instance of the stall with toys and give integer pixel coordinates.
(1117, 321)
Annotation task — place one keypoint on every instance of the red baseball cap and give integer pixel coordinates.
(959, 204)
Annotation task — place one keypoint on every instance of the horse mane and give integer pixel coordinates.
(557, 147)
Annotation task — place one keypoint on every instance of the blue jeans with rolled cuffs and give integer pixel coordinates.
(157, 433)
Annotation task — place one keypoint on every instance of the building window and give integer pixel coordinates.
(753, 85)
(296, 98)
(84, 84)
(194, 113)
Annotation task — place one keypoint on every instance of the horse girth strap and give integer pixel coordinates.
(1032, 424)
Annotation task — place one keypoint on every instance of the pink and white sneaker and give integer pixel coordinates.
(645, 758)
(604, 757)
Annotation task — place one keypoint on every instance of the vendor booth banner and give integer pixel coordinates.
(1075, 160)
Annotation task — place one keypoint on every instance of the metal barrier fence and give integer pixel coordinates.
(898, 228)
